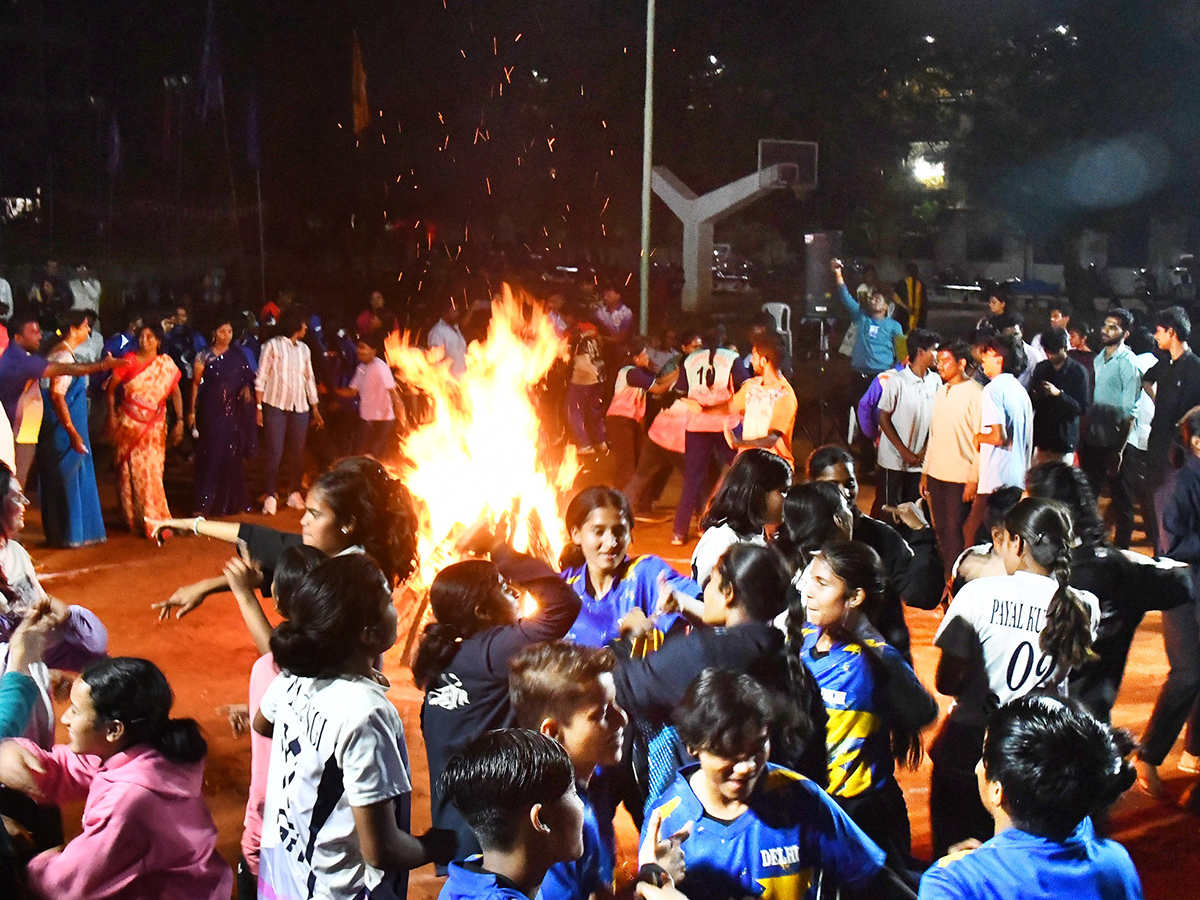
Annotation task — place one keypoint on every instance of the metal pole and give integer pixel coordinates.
(262, 245)
(647, 148)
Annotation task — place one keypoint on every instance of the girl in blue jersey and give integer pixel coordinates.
(1048, 766)
(875, 704)
(758, 830)
(619, 594)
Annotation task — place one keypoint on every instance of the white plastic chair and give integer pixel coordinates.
(782, 314)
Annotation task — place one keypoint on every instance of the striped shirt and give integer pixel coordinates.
(285, 375)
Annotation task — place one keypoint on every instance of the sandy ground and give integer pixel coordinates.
(207, 657)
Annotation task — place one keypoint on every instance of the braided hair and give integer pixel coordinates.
(1044, 527)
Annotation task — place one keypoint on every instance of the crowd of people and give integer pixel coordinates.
(750, 715)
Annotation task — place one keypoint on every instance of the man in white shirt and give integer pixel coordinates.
(287, 398)
(1005, 438)
(447, 335)
(905, 410)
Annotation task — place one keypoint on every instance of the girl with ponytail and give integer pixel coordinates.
(147, 831)
(1003, 637)
(327, 712)
(874, 702)
(465, 653)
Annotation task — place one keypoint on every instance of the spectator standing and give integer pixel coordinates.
(447, 334)
(911, 293)
(615, 321)
(1117, 388)
(950, 473)
(1005, 438)
(1131, 483)
(378, 397)
(20, 393)
(905, 411)
(766, 403)
(875, 345)
(85, 290)
(623, 424)
(585, 392)
(1174, 386)
(376, 309)
(287, 397)
(1059, 393)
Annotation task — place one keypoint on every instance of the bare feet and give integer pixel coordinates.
(1148, 780)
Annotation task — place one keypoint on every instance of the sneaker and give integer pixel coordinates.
(677, 541)
(269, 506)
(1189, 763)
(295, 500)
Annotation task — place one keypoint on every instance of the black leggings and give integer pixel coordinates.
(883, 815)
(955, 810)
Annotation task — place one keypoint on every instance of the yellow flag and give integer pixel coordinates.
(358, 87)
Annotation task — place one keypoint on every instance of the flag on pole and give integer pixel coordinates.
(212, 87)
(358, 87)
(253, 151)
(114, 147)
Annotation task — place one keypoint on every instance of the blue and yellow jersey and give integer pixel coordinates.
(1016, 865)
(580, 878)
(860, 755)
(775, 849)
(637, 586)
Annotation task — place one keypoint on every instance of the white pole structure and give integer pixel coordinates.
(647, 148)
(262, 244)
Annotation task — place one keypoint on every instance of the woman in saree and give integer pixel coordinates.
(223, 414)
(139, 427)
(71, 514)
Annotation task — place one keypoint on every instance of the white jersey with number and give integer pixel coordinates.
(995, 623)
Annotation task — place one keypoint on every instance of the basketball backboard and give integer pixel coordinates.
(788, 164)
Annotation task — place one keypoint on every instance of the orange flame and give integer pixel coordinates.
(478, 453)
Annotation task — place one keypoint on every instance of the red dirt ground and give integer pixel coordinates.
(207, 657)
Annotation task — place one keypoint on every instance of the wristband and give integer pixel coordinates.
(653, 873)
(196, 524)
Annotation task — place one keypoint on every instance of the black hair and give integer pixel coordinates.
(1139, 340)
(1001, 291)
(377, 509)
(1080, 327)
(808, 520)
(1009, 349)
(293, 564)
(1056, 762)
(1181, 445)
(1007, 319)
(724, 713)
(1070, 486)
(959, 349)
(826, 457)
(922, 339)
(860, 568)
(982, 334)
(740, 499)
(135, 693)
(155, 327)
(757, 578)
(999, 504)
(497, 778)
(291, 319)
(72, 318)
(580, 509)
(638, 344)
(767, 344)
(1055, 340)
(327, 614)
(1044, 527)
(1124, 316)
(1063, 305)
(465, 598)
(20, 319)
(374, 340)
(1176, 319)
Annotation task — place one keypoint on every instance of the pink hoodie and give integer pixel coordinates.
(147, 832)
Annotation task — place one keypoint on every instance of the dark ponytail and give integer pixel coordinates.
(809, 520)
(1044, 526)
(135, 693)
(465, 598)
(803, 732)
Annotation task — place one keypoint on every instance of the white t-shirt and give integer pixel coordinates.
(712, 545)
(996, 623)
(1143, 410)
(1006, 403)
(909, 400)
(374, 382)
(338, 743)
(451, 340)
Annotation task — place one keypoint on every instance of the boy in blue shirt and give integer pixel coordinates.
(1048, 765)
(566, 692)
(875, 346)
(759, 830)
(516, 789)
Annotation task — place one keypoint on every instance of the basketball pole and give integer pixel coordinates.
(647, 154)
